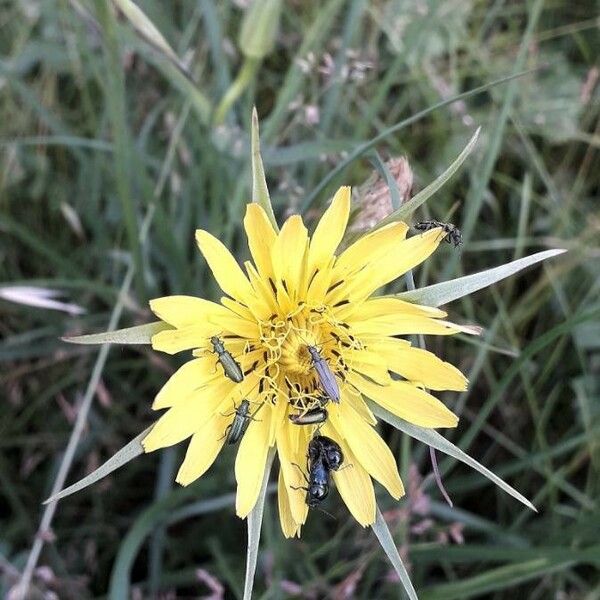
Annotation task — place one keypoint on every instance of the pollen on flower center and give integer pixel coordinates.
(295, 358)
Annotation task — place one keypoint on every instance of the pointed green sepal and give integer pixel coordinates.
(439, 442)
(139, 334)
(254, 526)
(386, 540)
(447, 291)
(260, 192)
(130, 451)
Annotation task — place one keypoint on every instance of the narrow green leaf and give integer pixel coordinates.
(189, 89)
(124, 455)
(386, 540)
(140, 334)
(146, 29)
(384, 172)
(435, 440)
(366, 146)
(260, 192)
(166, 511)
(243, 79)
(254, 526)
(407, 209)
(500, 579)
(447, 291)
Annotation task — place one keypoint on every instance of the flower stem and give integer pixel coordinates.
(241, 82)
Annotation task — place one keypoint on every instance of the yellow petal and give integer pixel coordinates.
(187, 379)
(407, 402)
(292, 445)
(355, 399)
(318, 285)
(265, 297)
(289, 255)
(385, 307)
(406, 255)
(181, 421)
(235, 394)
(416, 365)
(278, 418)
(261, 237)
(232, 323)
(226, 271)
(370, 248)
(425, 368)
(330, 230)
(353, 483)
(235, 307)
(404, 325)
(202, 450)
(289, 527)
(370, 450)
(172, 341)
(411, 252)
(377, 372)
(250, 463)
(185, 311)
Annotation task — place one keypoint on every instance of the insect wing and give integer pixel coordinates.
(327, 379)
(236, 430)
(240, 423)
(231, 367)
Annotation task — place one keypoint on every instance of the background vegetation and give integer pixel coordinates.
(99, 130)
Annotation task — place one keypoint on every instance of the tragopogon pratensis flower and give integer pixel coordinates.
(297, 295)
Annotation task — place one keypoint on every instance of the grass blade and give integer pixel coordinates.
(392, 186)
(366, 146)
(115, 98)
(260, 191)
(139, 334)
(128, 452)
(434, 439)
(407, 209)
(254, 526)
(157, 514)
(386, 540)
(501, 578)
(146, 29)
(447, 291)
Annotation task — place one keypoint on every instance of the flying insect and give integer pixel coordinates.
(452, 233)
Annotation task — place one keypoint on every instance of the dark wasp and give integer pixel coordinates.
(452, 232)
(324, 456)
(230, 366)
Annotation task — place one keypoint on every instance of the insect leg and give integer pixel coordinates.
(302, 472)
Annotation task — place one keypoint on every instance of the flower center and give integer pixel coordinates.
(293, 340)
(295, 357)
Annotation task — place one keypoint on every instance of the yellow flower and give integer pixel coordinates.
(297, 293)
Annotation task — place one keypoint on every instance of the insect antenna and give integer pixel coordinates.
(326, 513)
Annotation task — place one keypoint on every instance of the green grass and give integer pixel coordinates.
(99, 130)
